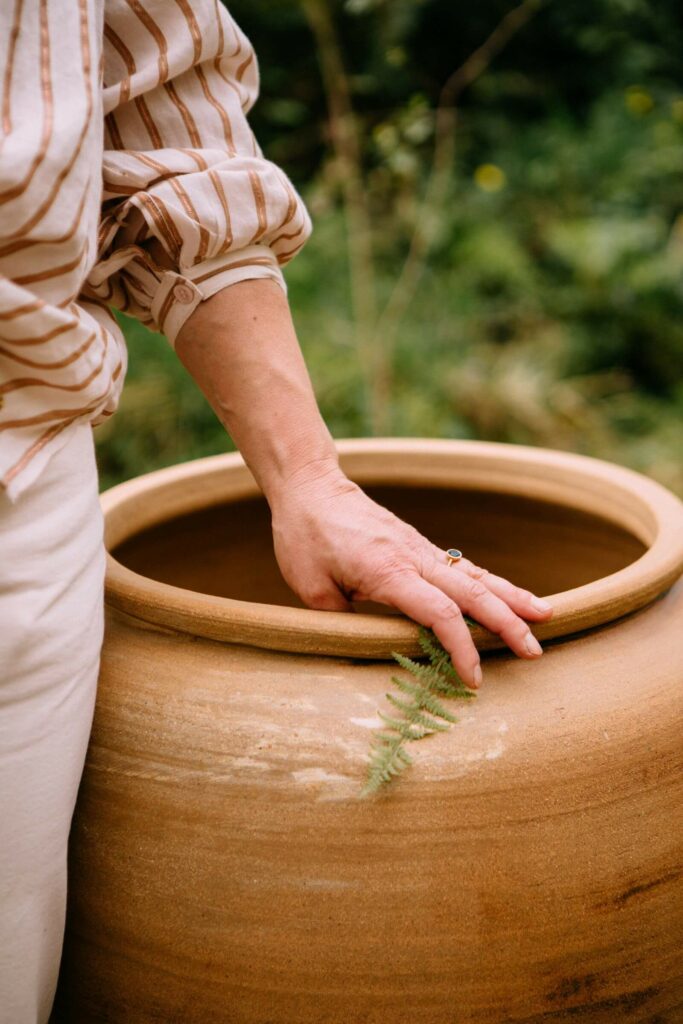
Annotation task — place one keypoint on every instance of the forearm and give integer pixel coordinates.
(333, 543)
(241, 348)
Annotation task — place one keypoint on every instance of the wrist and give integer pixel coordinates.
(305, 477)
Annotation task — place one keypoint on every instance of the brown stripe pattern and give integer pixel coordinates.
(179, 166)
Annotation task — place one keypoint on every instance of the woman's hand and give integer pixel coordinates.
(332, 542)
(335, 545)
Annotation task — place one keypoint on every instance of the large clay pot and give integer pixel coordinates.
(526, 869)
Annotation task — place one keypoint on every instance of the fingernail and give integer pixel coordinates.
(540, 605)
(532, 645)
(477, 677)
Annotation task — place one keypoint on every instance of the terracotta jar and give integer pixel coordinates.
(526, 869)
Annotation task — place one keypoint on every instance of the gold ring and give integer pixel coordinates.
(453, 556)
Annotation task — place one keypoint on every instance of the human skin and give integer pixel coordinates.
(333, 543)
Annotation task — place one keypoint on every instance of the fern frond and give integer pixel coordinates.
(454, 692)
(404, 729)
(428, 673)
(417, 689)
(389, 759)
(416, 716)
(423, 699)
(410, 689)
(439, 658)
(434, 676)
(440, 661)
(415, 727)
(429, 645)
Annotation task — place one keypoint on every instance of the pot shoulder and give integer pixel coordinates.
(264, 718)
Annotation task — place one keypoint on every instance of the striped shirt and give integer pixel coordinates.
(122, 122)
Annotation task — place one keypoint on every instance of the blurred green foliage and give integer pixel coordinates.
(549, 307)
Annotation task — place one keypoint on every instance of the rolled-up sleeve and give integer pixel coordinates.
(181, 165)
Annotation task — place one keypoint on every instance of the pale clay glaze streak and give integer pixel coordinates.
(628, 499)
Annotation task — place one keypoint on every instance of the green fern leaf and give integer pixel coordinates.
(389, 759)
(428, 673)
(454, 692)
(413, 690)
(439, 658)
(424, 701)
(450, 683)
(421, 714)
(407, 729)
(416, 715)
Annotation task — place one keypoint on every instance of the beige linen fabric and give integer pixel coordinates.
(51, 578)
(122, 121)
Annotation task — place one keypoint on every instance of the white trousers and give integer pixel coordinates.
(51, 624)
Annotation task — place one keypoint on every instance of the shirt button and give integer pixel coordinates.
(183, 294)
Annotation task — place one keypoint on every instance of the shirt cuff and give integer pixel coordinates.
(178, 294)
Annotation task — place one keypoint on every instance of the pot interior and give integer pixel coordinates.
(226, 550)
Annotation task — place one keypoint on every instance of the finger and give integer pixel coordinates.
(429, 606)
(326, 598)
(523, 602)
(478, 601)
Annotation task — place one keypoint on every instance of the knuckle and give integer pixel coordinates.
(477, 573)
(414, 538)
(426, 561)
(390, 570)
(446, 611)
(513, 627)
(315, 597)
(475, 590)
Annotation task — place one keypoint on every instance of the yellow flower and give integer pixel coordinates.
(489, 178)
(638, 101)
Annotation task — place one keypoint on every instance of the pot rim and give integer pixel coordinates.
(621, 496)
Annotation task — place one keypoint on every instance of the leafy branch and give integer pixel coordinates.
(422, 712)
(430, 210)
(376, 322)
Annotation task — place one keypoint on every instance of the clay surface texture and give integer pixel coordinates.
(526, 869)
